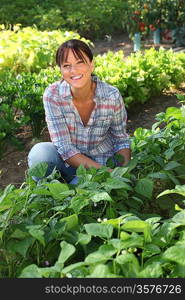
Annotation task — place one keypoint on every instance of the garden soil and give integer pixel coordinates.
(13, 165)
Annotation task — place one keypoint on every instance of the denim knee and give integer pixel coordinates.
(47, 152)
(43, 152)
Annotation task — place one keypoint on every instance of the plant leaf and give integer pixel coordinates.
(138, 226)
(144, 187)
(66, 251)
(100, 230)
(176, 254)
(71, 221)
(39, 170)
(31, 271)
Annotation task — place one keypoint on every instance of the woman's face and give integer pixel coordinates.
(76, 71)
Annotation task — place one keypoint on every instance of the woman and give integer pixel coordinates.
(86, 117)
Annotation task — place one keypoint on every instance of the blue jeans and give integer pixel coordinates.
(47, 152)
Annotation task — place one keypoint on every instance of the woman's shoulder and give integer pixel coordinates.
(57, 87)
(106, 89)
(54, 85)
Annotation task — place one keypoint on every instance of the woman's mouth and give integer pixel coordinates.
(76, 77)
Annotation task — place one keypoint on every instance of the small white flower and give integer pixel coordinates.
(99, 220)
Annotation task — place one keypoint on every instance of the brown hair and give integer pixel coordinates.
(78, 48)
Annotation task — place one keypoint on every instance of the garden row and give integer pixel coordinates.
(129, 223)
(95, 19)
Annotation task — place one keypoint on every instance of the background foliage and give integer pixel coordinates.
(89, 18)
(92, 18)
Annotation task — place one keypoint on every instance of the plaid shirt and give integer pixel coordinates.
(105, 132)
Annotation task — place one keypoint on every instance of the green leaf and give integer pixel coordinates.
(20, 247)
(179, 271)
(100, 230)
(104, 253)
(129, 263)
(118, 172)
(153, 270)
(58, 190)
(78, 202)
(101, 196)
(117, 243)
(39, 170)
(96, 257)
(179, 189)
(169, 153)
(66, 251)
(107, 250)
(116, 183)
(117, 221)
(81, 171)
(150, 250)
(19, 234)
(141, 202)
(37, 233)
(100, 271)
(31, 271)
(127, 258)
(176, 254)
(165, 234)
(6, 204)
(134, 240)
(71, 221)
(158, 175)
(72, 267)
(144, 187)
(132, 164)
(179, 218)
(171, 165)
(42, 191)
(173, 112)
(83, 238)
(138, 226)
(49, 272)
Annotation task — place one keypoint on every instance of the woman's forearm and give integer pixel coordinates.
(81, 159)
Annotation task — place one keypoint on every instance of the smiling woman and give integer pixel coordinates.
(86, 117)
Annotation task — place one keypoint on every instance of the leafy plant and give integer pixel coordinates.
(30, 50)
(126, 223)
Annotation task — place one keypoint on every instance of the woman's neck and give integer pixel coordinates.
(83, 94)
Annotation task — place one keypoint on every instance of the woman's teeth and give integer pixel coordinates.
(76, 77)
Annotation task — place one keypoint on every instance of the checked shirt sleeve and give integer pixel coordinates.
(56, 123)
(118, 126)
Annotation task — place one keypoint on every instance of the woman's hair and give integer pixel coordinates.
(78, 48)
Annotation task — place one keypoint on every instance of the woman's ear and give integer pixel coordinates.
(92, 65)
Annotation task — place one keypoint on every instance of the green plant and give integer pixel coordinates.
(30, 89)
(45, 233)
(30, 50)
(127, 223)
(82, 16)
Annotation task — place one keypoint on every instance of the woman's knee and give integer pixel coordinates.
(42, 152)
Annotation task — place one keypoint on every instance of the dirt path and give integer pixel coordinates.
(14, 164)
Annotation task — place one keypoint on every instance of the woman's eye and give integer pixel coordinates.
(80, 62)
(66, 66)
